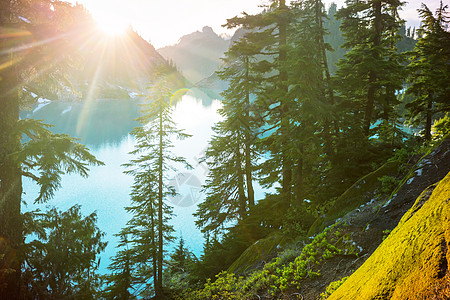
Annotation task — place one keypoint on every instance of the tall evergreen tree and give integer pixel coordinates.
(268, 35)
(367, 77)
(231, 155)
(119, 283)
(178, 277)
(45, 156)
(151, 170)
(62, 254)
(334, 38)
(429, 69)
(366, 83)
(310, 95)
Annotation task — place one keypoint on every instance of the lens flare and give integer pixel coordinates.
(178, 95)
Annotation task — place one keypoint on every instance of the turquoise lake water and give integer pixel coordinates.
(104, 126)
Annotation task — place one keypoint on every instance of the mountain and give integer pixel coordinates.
(197, 55)
(89, 62)
(119, 66)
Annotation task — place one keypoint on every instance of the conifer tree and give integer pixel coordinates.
(365, 86)
(268, 35)
(311, 91)
(178, 272)
(119, 283)
(151, 169)
(367, 77)
(45, 156)
(429, 69)
(231, 155)
(62, 254)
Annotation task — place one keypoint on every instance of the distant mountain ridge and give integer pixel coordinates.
(197, 55)
(125, 63)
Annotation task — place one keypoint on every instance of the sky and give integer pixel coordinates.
(163, 22)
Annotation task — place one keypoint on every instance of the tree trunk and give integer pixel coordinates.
(240, 180)
(369, 104)
(329, 90)
(299, 179)
(154, 246)
(11, 231)
(248, 142)
(372, 74)
(429, 119)
(158, 289)
(285, 124)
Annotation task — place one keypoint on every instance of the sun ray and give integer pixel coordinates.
(111, 24)
(91, 93)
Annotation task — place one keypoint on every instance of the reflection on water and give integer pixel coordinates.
(96, 123)
(104, 128)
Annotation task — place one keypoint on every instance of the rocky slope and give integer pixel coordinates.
(412, 262)
(368, 224)
(398, 243)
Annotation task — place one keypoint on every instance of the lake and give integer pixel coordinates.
(104, 126)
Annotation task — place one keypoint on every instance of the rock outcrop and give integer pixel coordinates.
(412, 262)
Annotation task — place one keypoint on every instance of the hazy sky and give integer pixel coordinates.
(163, 22)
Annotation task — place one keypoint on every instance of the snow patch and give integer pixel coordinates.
(25, 19)
(410, 180)
(66, 110)
(42, 103)
(387, 203)
(133, 94)
(419, 172)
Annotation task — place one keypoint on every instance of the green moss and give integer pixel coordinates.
(412, 259)
(359, 193)
(256, 253)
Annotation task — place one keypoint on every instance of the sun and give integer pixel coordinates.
(111, 24)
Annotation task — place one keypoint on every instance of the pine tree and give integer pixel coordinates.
(367, 77)
(429, 69)
(310, 89)
(231, 155)
(122, 278)
(366, 83)
(334, 38)
(46, 156)
(62, 254)
(268, 35)
(178, 272)
(149, 226)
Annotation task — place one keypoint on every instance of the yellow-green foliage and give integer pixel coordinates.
(226, 286)
(441, 127)
(332, 287)
(356, 195)
(408, 263)
(278, 276)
